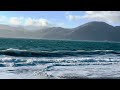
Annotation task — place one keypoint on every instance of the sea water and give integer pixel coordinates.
(58, 59)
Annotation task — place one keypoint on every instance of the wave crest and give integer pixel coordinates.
(64, 53)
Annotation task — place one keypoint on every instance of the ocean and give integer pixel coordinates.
(58, 59)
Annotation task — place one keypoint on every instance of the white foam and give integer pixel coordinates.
(63, 67)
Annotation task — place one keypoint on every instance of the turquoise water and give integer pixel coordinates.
(35, 58)
(52, 45)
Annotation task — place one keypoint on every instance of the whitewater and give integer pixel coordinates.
(58, 59)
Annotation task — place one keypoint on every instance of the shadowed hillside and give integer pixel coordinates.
(97, 31)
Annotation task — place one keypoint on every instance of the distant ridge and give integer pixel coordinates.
(95, 31)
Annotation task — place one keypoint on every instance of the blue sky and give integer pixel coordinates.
(67, 19)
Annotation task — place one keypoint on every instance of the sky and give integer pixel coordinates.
(66, 19)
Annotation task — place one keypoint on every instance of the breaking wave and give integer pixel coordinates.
(11, 61)
(62, 53)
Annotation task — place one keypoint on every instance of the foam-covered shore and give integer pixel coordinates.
(96, 66)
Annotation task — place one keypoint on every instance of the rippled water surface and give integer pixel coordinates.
(57, 59)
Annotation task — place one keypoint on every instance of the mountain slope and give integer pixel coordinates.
(97, 31)
(93, 31)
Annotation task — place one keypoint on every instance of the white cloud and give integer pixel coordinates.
(73, 17)
(30, 21)
(37, 22)
(106, 16)
(43, 22)
(25, 21)
(111, 17)
(16, 20)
